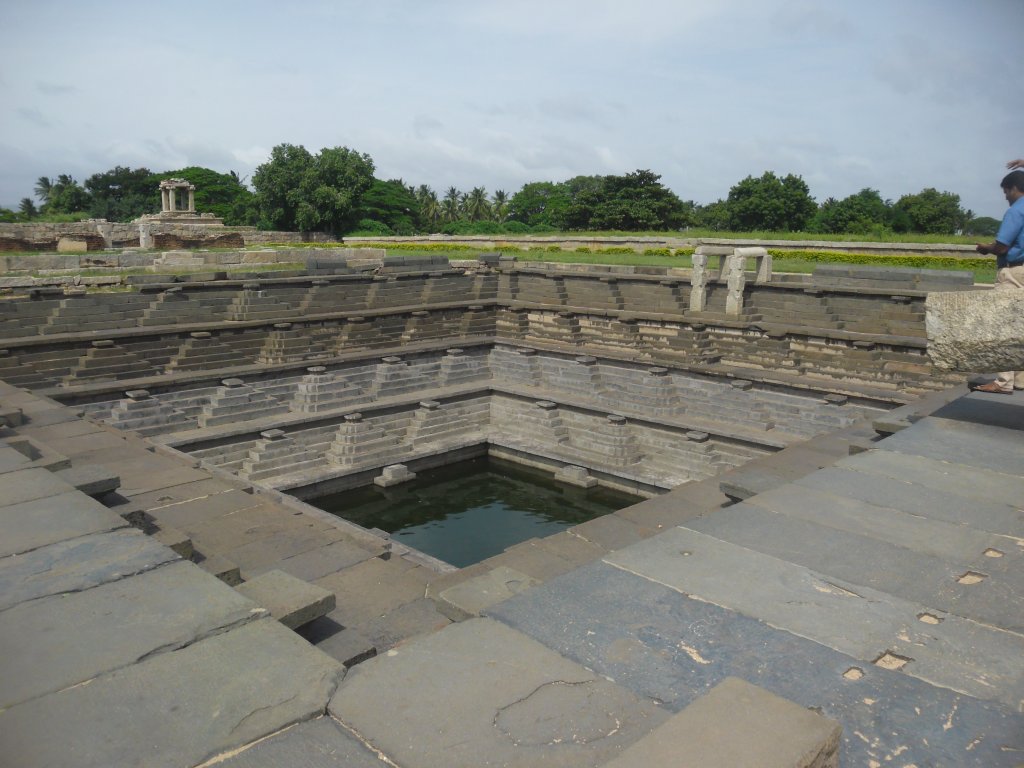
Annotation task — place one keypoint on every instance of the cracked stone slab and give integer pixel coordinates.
(665, 645)
(876, 563)
(320, 743)
(62, 640)
(508, 701)
(33, 524)
(71, 566)
(178, 708)
(946, 650)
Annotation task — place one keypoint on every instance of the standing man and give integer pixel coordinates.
(1008, 248)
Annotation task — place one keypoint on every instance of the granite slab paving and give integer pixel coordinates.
(949, 505)
(78, 564)
(182, 514)
(888, 523)
(177, 708)
(36, 523)
(325, 560)
(115, 625)
(867, 561)
(961, 442)
(22, 485)
(988, 486)
(370, 589)
(738, 724)
(320, 743)
(510, 701)
(981, 408)
(863, 623)
(671, 648)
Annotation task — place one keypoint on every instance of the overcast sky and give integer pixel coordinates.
(896, 95)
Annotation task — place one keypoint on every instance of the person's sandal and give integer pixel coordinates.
(992, 388)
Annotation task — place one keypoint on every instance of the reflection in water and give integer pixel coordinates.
(467, 512)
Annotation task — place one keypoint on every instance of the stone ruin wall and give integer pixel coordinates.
(831, 337)
(98, 235)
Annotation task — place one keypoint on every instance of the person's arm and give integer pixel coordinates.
(1015, 164)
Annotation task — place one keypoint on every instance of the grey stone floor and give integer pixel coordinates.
(881, 590)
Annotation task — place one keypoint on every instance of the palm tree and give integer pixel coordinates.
(27, 208)
(477, 206)
(430, 208)
(499, 203)
(450, 205)
(43, 188)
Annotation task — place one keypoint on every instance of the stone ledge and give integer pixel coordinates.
(291, 601)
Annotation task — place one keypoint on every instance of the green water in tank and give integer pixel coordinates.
(466, 512)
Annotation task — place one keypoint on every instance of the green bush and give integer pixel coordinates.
(658, 252)
(917, 262)
(615, 249)
(583, 249)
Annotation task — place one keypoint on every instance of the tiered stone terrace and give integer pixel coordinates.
(880, 589)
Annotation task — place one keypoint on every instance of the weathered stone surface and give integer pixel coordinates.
(739, 724)
(180, 708)
(976, 330)
(518, 703)
(473, 596)
(665, 645)
(114, 625)
(320, 743)
(291, 601)
(70, 566)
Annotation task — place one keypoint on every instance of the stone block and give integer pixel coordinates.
(738, 724)
(59, 641)
(473, 596)
(91, 479)
(177, 541)
(509, 701)
(291, 601)
(976, 331)
(178, 708)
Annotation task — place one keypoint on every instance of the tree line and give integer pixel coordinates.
(336, 191)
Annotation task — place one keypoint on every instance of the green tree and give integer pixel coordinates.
(429, 206)
(540, 203)
(929, 212)
(477, 206)
(27, 208)
(499, 206)
(222, 194)
(42, 189)
(390, 203)
(714, 216)
(122, 194)
(861, 213)
(450, 205)
(299, 191)
(770, 203)
(66, 196)
(982, 226)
